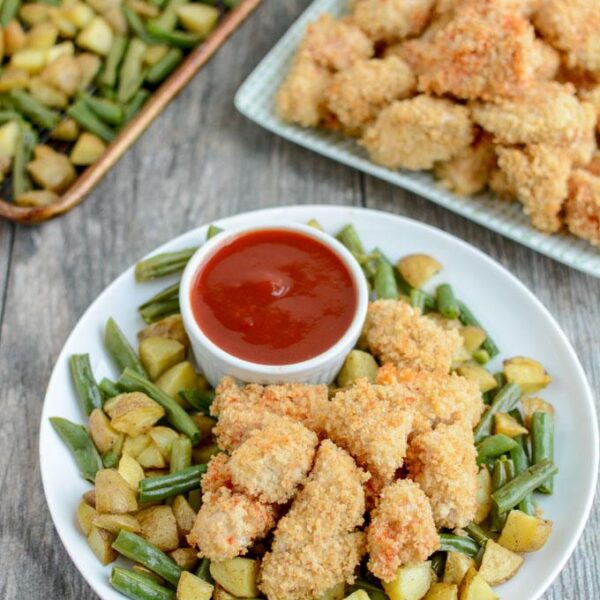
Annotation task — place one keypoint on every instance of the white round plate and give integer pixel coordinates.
(514, 317)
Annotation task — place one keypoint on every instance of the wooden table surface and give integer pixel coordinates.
(198, 162)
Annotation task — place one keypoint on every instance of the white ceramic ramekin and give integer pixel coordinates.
(216, 363)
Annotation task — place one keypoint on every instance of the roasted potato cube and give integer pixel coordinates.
(457, 565)
(529, 374)
(336, 592)
(133, 413)
(411, 582)
(13, 79)
(179, 377)
(66, 131)
(484, 495)
(134, 446)
(417, 269)
(85, 516)
(163, 437)
(89, 65)
(473, 337)
(90, 498)
(103, 435)
(32, 61)
(533, 405)
(198, 18)
(205, 425)
(114, 523)
(113, 493)
(185, 515)
(53, 172)
(87, 150)
(154, 53)
(151, 457)
(100, 542)
(222, 594)
(33, 13)
(524, 533)
(475, 587)
(237, 575)
(186, 558)
(169, 327)
(504, 423)
(159, 354)
(78, 13)
(442, 591)
(9, 135)
(143, 8)
(358, 364)
(159, 527)
(474, 372)
(62, 49)
(191, 587)
(65, 28)
(46, 94)
(96, 37)
(131, 471)
(498, 564)
(14, 37)
(116, 19)
(36, 198)
(64, 73)
(357, 595)
(42, 36)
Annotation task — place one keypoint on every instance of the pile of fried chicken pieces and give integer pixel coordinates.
(379, 468)
(502, 94)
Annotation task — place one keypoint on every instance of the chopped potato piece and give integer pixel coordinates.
(411, 583)
(130, 470)
(179, 377)
(524, 533)
(78, 13)
(417, 269)
(87, 150)
(236, 575)
(498, 564)
(504, 423)
(222, 594)
(64, 73)
(484, 495)
(67, 130)
(186, 558)
(13, 79)
(116, 19)
(114, 523)
(103, 434)
(473, 337)
(42, 37)
(336, 592)
(89, 65)
(483, 378)
(169, 327)
(191, 587)
(97, 36)
(32, 61)
(14, 37)
(533, 405)
(159, 354)
(135, 445)
(152, 458)
(198, 18)
(154, 53)
(90, 497)
(184, 514)
(457, 565)
(113, 493)
(205, 424)
(357, 595)
(163, 437)
(529, 374)
(36, 198)
(63, 49)
(475, 587)
(144, 9)
(9, 135)
(85, 516)
(159, 527)
(46, 94)
(133, 413)
(442, 591)
(33, 13)
(65, 27)
(358, 364)
(53, 172)
(100, 542)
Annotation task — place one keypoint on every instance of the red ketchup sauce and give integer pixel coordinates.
(274, 297)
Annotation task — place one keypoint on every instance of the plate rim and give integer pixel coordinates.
(350, 212)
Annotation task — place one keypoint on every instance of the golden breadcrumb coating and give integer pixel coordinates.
(594, 165)
(398, 333)
(366, 421)
(592, 96)
(484, 51)
(500, 185)
(443, 463)
(301, 98)
(547, 61)
(314, 545)
(544, 113)
(539, 175)
(468, 173)
(241, 410)
(438, 397)
(582, 208)
(217, 474)
(415, 134)
(572, 26)
(228, 523)
(357, 94)
(402, 529)
(335, 44)
(274, 461)
(523, 7)
(391, 20)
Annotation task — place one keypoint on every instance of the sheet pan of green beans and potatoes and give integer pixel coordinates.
(75, 72)
(149, 437)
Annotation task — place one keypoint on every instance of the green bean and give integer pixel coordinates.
(120, 349)
(136, 25)
(203, 571)
(158, 310)
(521, 463)
(138, 586)
(542, 444)
(165, 66)
(164, 264)
(78, 440)
(446, 301)
(167, 294)
(493, 446)
(134, 105)
(481, 356)
(457, 543)
(10, 115)
(132, 381)
(107, 110)
(83, 378)
(509, 495)
(140, 550)
(418, 299)
(90, 122)
(195, 499)
(153, 489)
(181, 454)
(468, 318)
(499, 479)
(477, 533)
(108, 389)
(180, 39)
(384, 281)
(348, 236)
(24, 149)
(34, 110)
(9, 11)
(108, 77)
(131, 76)
(505, 400)
(198, 399)
(315, 224)
(500, 378)
(111, 457)
(374, 592)
(168, 18)
(212, 231)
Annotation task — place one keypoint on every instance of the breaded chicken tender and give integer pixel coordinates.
(522, 7)
(500, 185)
(582, 209)
(592, 96)
(398, 333)
(315, 545)
(391, 20)
(335, 44)
(241, 410)
(593, 166)
(217, 474)
(402, 529)
(468, 173)
(415, 134)
(228, 523)
(357, 94)
(301, 98)
(572, 26)
(443, 463)
(539, 174)
(547, 61)
(274, 461)
(368, 423)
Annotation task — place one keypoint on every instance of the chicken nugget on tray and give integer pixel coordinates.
(522, 7)
(592, 96)
(582, 208)
(402, 530)
(217, 474)
(547, 61)
(443, 463)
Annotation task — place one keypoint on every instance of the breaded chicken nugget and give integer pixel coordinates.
(415, 134)
(228, 523)
(391, 20)
(367, 422)
(582, 208)
(398, 333)
(301, 98)
(443, 463)
(272, 462)
(544, 113)
(547, 61)
(468, 173)
(217, 474)
(522, 7)
(335, 44)
(357, 94)
(402, 529)
(500, 185)
(593, 166)
(592, 96)
(539, 174)
(572, 26)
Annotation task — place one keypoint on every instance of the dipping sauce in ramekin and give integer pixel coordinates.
(278, 303)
